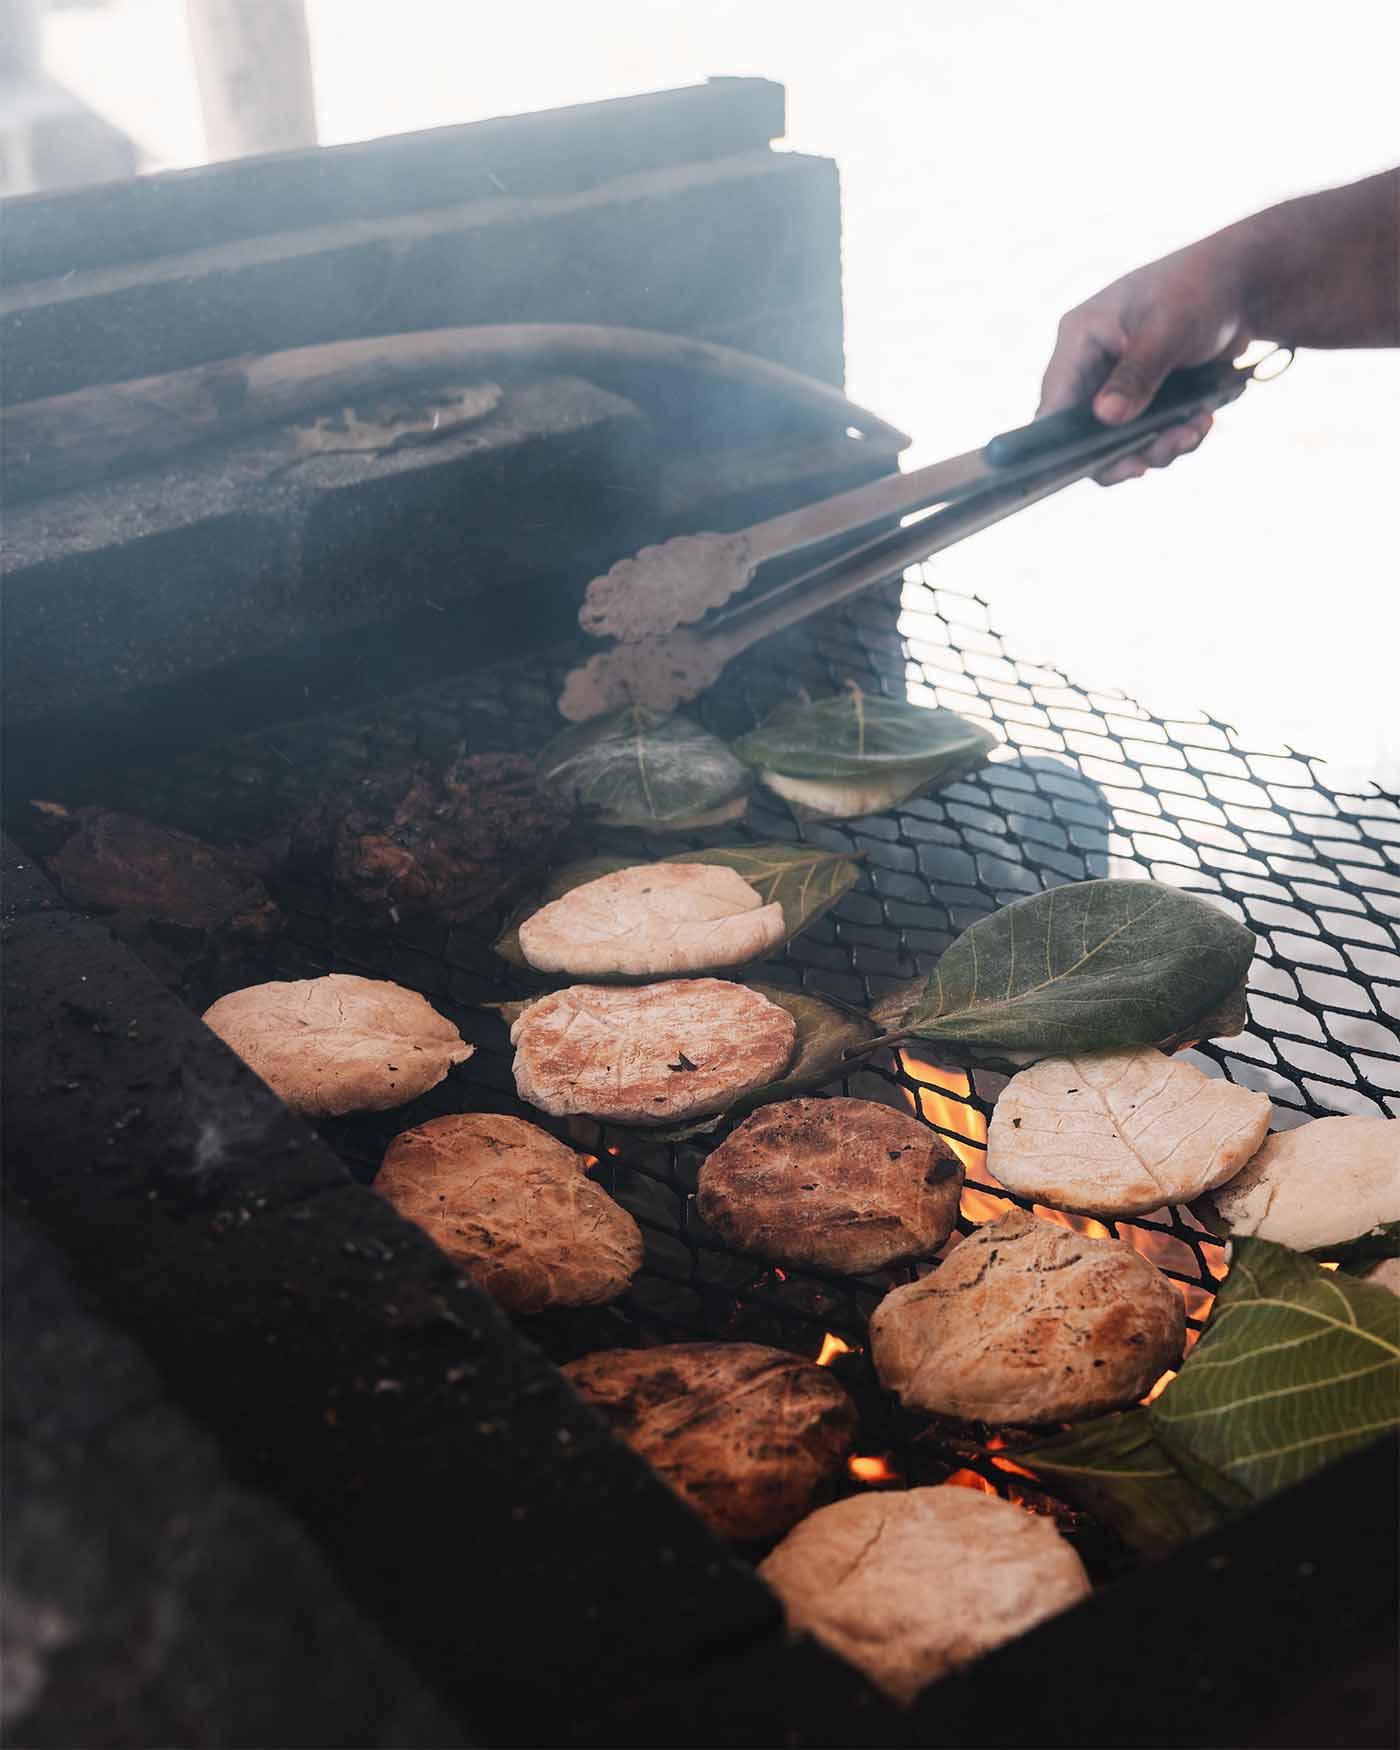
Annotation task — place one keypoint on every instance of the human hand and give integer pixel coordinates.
(1117, 347)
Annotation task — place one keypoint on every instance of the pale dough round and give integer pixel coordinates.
(1320, 1185)
(1029, 1322)
(652, 921)
(651, 1053)
(1121, 1132)
(515, 1208)
(745, 1434)
(845, 1185)
(907, 1584)
(339, 1043)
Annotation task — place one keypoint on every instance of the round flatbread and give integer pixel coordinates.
(844, 1185)
(746, 1435)
(653, 921)
(339, 1043)
(1029, 1322)
(907, 1584)
(1121, 1132)
(515, 1208)
(653, 1054)
(1323, 1184)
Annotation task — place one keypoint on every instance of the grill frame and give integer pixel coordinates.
(766, 1681)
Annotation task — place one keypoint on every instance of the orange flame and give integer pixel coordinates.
(868, 1468)
(968, 1479)
(945, 1099)
(832, 1346)
(1161, 1385)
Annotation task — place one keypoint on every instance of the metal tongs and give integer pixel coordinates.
(659, 662)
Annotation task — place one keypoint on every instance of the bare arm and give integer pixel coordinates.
(1322, 271)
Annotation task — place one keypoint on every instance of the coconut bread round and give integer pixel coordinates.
(515, 1207)
(844, 1185)
(652, 1053)
(1121, 1132)
(747, 1435)
(1029, 1322)
(907, 1584)
(1320, 1185)
(653, 920)
(339, 1043)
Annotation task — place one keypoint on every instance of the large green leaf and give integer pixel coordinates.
(1086, 967)
(1297, 1366)
(1116, 1468)
(636, 767)
(804, 881)
(856, 754)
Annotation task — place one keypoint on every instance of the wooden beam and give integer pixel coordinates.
(252, 60)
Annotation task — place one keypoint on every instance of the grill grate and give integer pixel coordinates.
(1085, 784)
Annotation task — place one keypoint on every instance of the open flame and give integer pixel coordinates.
(832, 1346)
(871, 1468)
(969, 1479)
(944, 1098)
(1163, 1382)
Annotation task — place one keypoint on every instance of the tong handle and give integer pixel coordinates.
(1183, 393)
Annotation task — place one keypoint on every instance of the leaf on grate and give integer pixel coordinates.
(1117, 1470)
(804, 881)
(826, 1035)
(854, 754)
(1297, 1366)
(1086, 967)
(637, 767)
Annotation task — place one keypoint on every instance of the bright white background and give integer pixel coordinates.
(999, 162)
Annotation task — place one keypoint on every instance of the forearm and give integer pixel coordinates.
(1322, 270)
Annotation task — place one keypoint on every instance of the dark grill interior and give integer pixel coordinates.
(1084, 785)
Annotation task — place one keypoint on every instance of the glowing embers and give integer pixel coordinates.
(872, 1469)
(832, 1346)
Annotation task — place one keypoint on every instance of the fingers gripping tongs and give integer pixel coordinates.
(647, 601)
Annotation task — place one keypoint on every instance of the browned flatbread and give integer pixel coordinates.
(1029, 1322)
(745, 1434)
(515, 1208)
(908, 1584)
(339, 1043)
(847, 1185)
(652, 1054)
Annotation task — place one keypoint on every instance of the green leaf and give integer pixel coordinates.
(636, 767)
(804, 881)
(855, 754)
(1087, 967)
(826, 1035)
(1116, 1468)
(1296, 1366)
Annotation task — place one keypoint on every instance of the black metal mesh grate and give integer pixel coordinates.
(1085, 784)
